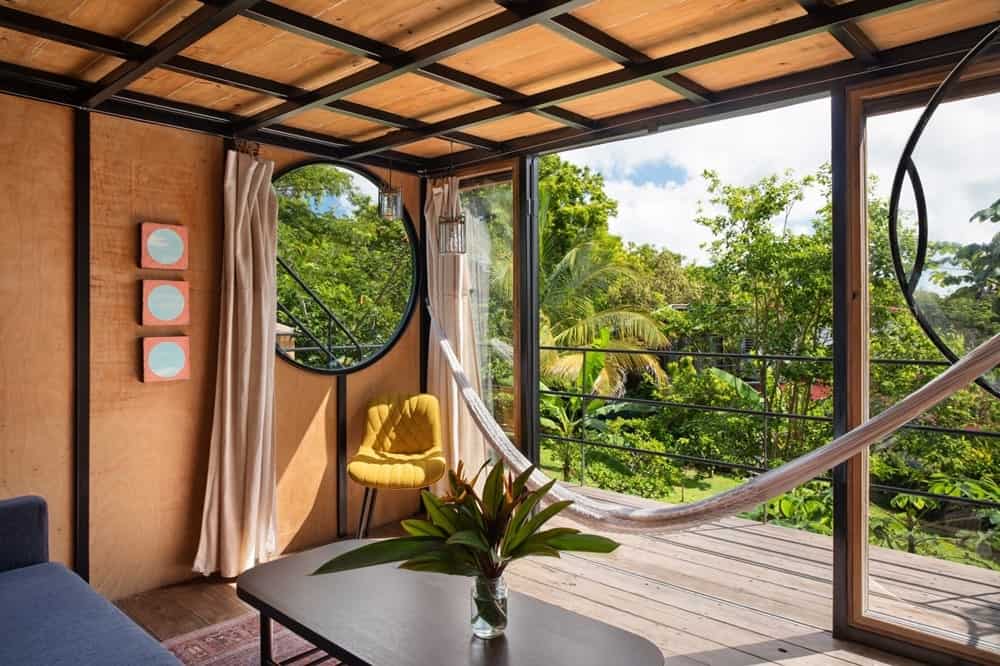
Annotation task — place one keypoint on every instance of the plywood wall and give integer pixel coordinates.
(307, 423)
(36, 310)
(149, 442)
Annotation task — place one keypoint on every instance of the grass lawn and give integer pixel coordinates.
(694, 488)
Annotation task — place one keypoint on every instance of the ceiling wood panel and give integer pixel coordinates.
(930, 20)
(28, 51)
(531, 60)
(778, 60)
(190, 90)
(117, 18)
(404, 24)
(661, 27)
(515, 126)
(429, 148)
(628, 98)
(419, 97)
(254, 48)
(337, 124)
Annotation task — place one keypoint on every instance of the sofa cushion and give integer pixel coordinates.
(51, 616)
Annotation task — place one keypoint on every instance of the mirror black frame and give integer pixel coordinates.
(416, 261)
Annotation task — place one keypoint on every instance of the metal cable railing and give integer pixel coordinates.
(765, 414)
(329, 349)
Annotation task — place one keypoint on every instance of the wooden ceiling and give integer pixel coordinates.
(433, 84)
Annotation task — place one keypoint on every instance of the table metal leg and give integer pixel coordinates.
(266, 657)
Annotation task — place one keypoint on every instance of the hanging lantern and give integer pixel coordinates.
(451, 227)
(390, 203)
(451, 234)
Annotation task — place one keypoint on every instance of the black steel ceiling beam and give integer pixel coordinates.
(306, 26)
(785, 31)
(790, 89)
(850, 35)
(469, 82)
(567, 117)
(86, 39)
(185, 33)
(46, 28)
(282, 18)
(687, 88)
(460, 40)
(613, 49)
(64, 90)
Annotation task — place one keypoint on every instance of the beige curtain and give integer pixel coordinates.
(448, 286)
(238, 524)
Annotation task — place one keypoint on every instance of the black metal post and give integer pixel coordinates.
(341, 455)
(841, 305)
(527, 286)
(425, 313)
(81, 344)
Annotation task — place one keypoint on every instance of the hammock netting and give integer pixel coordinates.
(601, 515)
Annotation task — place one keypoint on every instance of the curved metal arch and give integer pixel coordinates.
(907, 167)
(416, 260)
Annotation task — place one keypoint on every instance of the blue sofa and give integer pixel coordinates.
(48, 614)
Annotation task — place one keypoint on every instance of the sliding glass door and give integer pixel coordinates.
(924, 561)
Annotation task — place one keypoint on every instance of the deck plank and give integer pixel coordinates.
(733, 592)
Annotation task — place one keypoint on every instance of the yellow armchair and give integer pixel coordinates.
(401, 449)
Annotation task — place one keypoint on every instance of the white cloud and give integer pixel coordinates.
(957, 158)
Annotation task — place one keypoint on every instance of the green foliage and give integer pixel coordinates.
(470, 534)
(767, 289)
(330, 233)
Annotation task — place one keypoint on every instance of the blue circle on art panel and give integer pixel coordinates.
(166, 359)
(165, 246)
(165, 302)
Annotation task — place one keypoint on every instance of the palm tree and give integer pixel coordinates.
(570, 317)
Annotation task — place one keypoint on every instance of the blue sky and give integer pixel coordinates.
(657, 179)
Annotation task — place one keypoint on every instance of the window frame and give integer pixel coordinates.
(417, 261)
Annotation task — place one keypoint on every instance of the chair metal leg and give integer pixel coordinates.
(367, 509)
(361, 519)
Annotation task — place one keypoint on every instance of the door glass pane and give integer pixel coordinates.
(488, 209)
(934, 512)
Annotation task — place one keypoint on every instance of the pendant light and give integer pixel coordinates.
(451, 227)
(390, 200)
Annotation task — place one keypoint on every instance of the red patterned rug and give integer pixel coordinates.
(236, 643)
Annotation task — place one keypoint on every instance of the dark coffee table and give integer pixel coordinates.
(382, 616)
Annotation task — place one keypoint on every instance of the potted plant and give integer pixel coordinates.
(475, 535)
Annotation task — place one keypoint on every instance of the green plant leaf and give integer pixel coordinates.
(443, 562)
(588, 543)
(523, 511)
(521, 481)
(442, 516)
(534, 548)
(536, 521)
(382, 552)
(415, 527)
(470, 538)
(493, 492)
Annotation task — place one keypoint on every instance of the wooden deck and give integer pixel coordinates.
(732, 593)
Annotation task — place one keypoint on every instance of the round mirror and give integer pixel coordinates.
(347, 278)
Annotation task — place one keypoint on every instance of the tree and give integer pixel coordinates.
(578, 208)
(331, 235)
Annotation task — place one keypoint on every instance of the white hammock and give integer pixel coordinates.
(760, 489)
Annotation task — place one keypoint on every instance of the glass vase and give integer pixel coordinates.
(489, 607)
